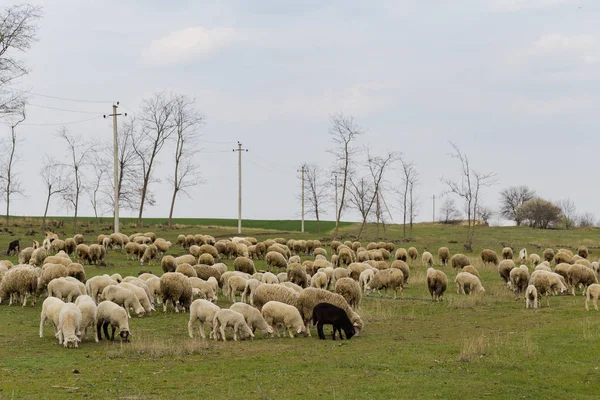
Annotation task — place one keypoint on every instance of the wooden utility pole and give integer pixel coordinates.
(240, 150)
(302, 171)
(433, 208)
(116, 164)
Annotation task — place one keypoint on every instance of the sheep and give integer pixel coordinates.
(206, 271)
(390, 278)
(562, 269)
(548, 255)
(504, 268)
(50, 272)
(531, 297)
(204, 312)
(349, 289)
(69, 325)
(253, 318)
(142, 295)
(204, 289)
(124, 297)
(401, 254)
(89, 315)
(78, 238)
(76, 271)
(356, 269)
(579, 274)
(275, 259)
(97, 254)
(470, 269)
(282, 277)
(547, 283)
(582, 251)
(57, 245)
(584, 262)
(444, 255)
(563, 256)
(489, 257)
(364, 278)
(168, 264)
(507, 253)
(296, 274)
(319, 251)
(592, 293)
(234, 285)
(187, 270)
(25, 255)
(70, 245)
(64, 290)
(325, 313)
(83, 253)
(310, 297)
(249, 289)
(339, 273)
(458, 261)
(50, 310)
(109, 313)
(276, 313)
(21, 280)
(207, 249)
(523, 256)
(266, 293)
(467, 283)
(345, 256)
(437, 282)
(117, 277)
(181, 241)
(427, 259)
(233, 319)
(96, 285)
(176, 288)
(37, 257)
(519, 280)
(294, 259)
(150, 254)
(402, 266)
(185, 259)
(244, 264)
(412, 253)
(542, 267)
(319, 280)
(534, 259)
(269, 278)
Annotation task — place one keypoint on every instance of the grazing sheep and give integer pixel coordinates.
(168, 264)
(21, 281)
(345, 256)
(204, 289)
(489, 257)
(234, 320)
(142, 296)
(13, 248)
(402, 266)
(548, 255)
(89, 315)
(319, 251)
(187, 270)
(401, 254)
(281, 277)
(69, 325)
(309, 298)
(413, 253)
(534, 259)
(580, 275)
(83, 253)
(37, 257)
(150, 254)
(76, 271)
(467, 283)
(50, 272)
(319, 280)
(70, 245)
(582, 251)
(364, 278)
(348, 288)
(64, 290)
(547, 283)
(563, 257)
(206, 271)
(325, 313)
(542, 267)
(276, 313)
(275, 259)
(253, 318)
(124, 297)
(519, 280)
(177, 289)
(444, 255)
(269, 278)
(109, 313)
(181, 241)
(504, 269)
(96, 285)
(185, 259)
(470, 269)
(437, 282)
(266, 293)
(248, 294)
(531, 297)
(97, 254)
(523, 256)
(78, 238)
(427, 259)
(244, 264)
(356, 269)
(234, 285)
(25, 255)
(592, 293)
(458, 261)
(296, 274)
(390, 278)
(50, 310)
(584, 262)
(507, 253)
(204, 312)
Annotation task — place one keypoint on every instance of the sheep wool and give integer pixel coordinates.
(276, 313)
(437, 282)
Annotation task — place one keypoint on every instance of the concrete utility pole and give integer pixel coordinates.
(302, 170)
(433, 208)
(336, 194)
(116, 164)
(239, 150)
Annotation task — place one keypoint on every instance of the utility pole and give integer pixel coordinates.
(240, 150)
(302, 170)
(116, 164)
(336, 194)
(433, 209)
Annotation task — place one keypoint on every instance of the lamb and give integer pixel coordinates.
(177, 289)
(89, 315)
(364, 278)
(244, 264)
(592, 293)
(348, 288)
(168, 264)
(579, 274)
(50, 310)
(310, 297)
(325, 313)
(467, 283)
(64, 290)
(427, 259)
(504, 269)
(204, 312)
(248, 294)
(437, 282)
(296, 274)
(531, 297)
(523, 256)
(21, 280)
(233, 285)
(142, 296)
(69, 325)
(124, 297)
(96, 285)
(402, 266)
(458, 261)
(444, 255)
(269, 278)
(507, 253)
(109, 313)
(233, 319)
(266, 293)
(401, 254)
(253, 318)
(519, 280)
(390, 278)
(276, 313)
(204, 288)
(489, 257)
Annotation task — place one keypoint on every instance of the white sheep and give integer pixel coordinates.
(253, 318)
(523, 256)
(388, 278)
(204, 312)
(348, 288)
(112, 314)
(123, 297)
(233, 286)
(248, 294)
(141, 295)
(97, 284)
(467, 283)
(437, 283)
(228, 318)
(519, 280)
(319, 280)
(531, 297)
(593, 292)
(365, 277)
(204, 289)
(89, 315)
(277, 313)
(427, 258)
(270, 278)
(69, 325)
(50, 311)
(64, 290)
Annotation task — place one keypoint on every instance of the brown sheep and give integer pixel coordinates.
(444, 255)
(489, 257)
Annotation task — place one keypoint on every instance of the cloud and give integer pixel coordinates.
(585, 47)
(518, 5)
(186, 44)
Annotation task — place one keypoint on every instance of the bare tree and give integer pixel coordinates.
(448, 211)
(316, 190)
(484, 213)
(469, 189)
(157, 127)
(409, 179)
(11, 184)
(94, 189)
(52, 174)
(343, 132)
(187, 171)
(18, 30)
(511, 199)
(78, 153)
(359, 192)
(412, 205)
(569, 212)
(587, 220)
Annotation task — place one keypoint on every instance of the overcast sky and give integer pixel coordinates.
(514, 83)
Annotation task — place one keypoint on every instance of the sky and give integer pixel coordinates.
(513, 83)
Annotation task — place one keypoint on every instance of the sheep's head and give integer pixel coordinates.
(125, 334)
(71, 342)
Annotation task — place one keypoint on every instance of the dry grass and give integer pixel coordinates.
(474, 348)
(466, 301)
(155, 348)
(591, 330)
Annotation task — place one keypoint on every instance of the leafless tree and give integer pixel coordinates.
(11, 185)
(157, 122)
(316, 190)
(413, 209)
(343, 132)
(359, 192)
(18, 31)
(187, 171)
(587, 220)
(94, 188)
(469, 189)
(448, 211)
(79, 153)
(409, 179)
(569, 212)
(511, 199)
(53, 175)
(484, 213)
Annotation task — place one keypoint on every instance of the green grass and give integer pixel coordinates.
(462, 347)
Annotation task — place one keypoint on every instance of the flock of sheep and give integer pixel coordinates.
(332, 284)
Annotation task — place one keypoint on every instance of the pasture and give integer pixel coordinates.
(463, 347)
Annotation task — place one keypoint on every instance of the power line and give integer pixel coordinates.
(62, 109)
(58, 97)
(214, 142)
(274, 164)
(58, 123)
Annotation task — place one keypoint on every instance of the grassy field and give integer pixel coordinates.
(464, 347)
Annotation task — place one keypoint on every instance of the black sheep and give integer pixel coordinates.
(13, 247)
(325, 313)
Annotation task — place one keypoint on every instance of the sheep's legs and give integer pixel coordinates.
(320, 330)
(43, 319)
